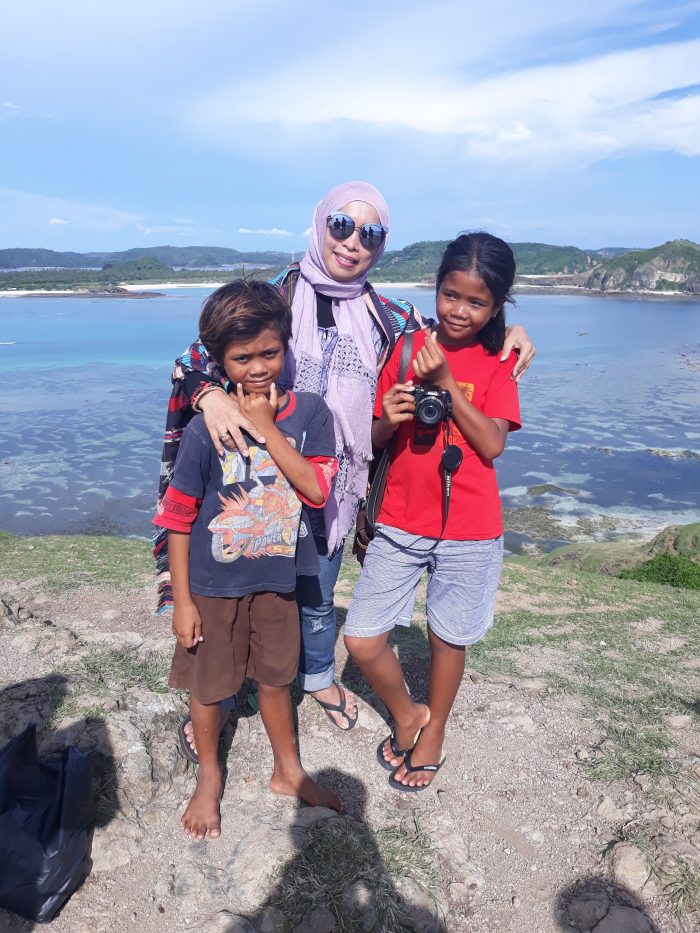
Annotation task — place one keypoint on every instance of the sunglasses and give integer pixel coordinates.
(342, 226)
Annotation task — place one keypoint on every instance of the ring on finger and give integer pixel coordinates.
(223, 434)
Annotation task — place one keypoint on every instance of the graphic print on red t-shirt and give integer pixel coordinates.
(413, 500)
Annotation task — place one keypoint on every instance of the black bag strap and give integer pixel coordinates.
(378, 484)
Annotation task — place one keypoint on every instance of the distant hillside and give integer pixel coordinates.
(186, 256)
(419, 261)
(675, 266)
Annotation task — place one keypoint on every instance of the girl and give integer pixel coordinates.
(441, 509)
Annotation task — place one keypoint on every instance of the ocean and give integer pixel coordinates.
(610, 408)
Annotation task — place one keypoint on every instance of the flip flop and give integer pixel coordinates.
(185, 747)
(396, 752)
(397, 785)
(339, 708)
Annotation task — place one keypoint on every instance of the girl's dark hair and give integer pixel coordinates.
(490, 259)
(238, 312)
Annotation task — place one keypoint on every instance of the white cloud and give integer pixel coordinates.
(8, 109)
(272, 231)
(58, 222)
(581, 111)
(307, 232)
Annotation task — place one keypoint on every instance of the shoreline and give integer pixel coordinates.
(155, 289)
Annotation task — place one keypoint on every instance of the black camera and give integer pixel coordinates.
(433, 404)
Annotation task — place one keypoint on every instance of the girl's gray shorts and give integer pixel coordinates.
(462, 584)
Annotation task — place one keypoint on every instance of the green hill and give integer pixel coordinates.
(185, 256)
(674, 266)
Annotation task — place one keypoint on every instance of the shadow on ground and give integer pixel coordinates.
(42, 701)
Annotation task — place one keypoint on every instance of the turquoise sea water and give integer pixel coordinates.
(611, 438)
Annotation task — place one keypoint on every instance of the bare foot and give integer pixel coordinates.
(299, 784)
(189, 731)
(201, 817)
(406, 734)
(428, 751)
(334, 694)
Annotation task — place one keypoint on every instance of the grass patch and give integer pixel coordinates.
(62, 562)
(101, 669)
(668, 569)
(627, 751)
(682, 885)
(336, 854)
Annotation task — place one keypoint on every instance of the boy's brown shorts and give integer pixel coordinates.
(254, 636)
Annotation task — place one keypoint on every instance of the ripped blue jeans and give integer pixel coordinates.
(317, 615)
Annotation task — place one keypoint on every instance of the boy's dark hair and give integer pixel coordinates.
(490, 259)
(237, 312)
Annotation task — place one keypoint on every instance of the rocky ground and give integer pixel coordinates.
(569, 800)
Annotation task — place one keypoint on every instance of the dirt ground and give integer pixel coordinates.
(531, 825)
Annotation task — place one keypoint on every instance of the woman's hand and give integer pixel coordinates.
(187, 624)
(224, 420)
(517, 339)
(430, 364)
(259, 408)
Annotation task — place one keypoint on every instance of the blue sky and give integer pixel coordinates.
(222, 122)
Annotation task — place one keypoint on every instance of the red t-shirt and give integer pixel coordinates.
(413, 499)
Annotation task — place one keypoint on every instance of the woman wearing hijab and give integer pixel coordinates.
(342, 334)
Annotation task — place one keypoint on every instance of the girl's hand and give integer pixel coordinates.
(224, 420)
(517, 339)
(430, 364)
(187, 624)
(259, 408)
(397, 405)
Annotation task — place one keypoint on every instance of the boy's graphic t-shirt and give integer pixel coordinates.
(413, 499)
(244, 538)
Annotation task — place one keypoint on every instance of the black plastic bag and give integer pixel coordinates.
(46, 814)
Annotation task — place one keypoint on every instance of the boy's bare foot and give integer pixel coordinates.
(299, 784)
(345, 718)
(428, 751)
(189, 731)
(406, 733)
(201, 816)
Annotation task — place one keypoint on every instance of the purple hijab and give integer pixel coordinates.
(352, 374)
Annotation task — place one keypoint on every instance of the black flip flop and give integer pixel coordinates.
(339, 708)
(397, 785)
(185, 747)
(396, 752)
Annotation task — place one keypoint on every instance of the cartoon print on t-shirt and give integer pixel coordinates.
(467, 390)
(256, 522)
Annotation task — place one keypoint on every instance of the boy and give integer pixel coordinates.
(233, 525)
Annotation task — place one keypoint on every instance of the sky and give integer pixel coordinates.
(224, 122)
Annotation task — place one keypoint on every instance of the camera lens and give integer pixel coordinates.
(431, 411)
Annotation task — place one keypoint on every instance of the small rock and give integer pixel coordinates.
(672, 850)
(630, 866)
(644, 782)
(587, 910)
(519, 721)
(583, 792)
(418, 912)
(678, 722)
(582, 754)
(515, 901)
(667, 822)
(607, 810)
(476, 677)
(360, 902)
(320, 920)
(110, 614)
(225, 922)
(271, 920)
(624, 920)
